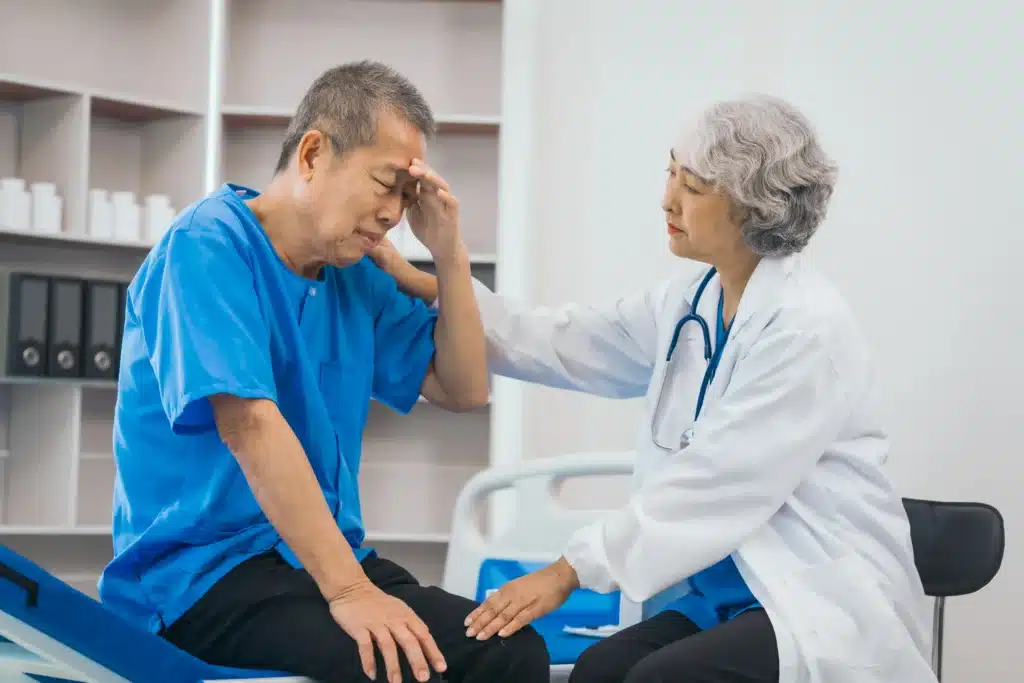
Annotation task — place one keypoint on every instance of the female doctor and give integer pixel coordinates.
(762, 534)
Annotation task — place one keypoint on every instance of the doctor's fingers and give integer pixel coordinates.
(517, 611)
(520, 620)
(511, 619)
(486, 611)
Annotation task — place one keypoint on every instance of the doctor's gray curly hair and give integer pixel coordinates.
(766, 157)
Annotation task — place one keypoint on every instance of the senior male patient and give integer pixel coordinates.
(256, 332)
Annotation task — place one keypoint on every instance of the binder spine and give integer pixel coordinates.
(26, 320)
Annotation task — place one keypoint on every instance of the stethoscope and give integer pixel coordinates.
(711, 355)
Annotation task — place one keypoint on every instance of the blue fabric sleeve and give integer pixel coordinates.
(203, 326)
(403, 344)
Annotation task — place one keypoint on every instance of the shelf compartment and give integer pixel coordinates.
(38, 468)
(451, 51)
(16, 89)
(69, 383)
(404, 499)
(111, 45)
(143, 150)
(127, 108)
(75, 557)
(96, 426)
(483, 269)
(428, 434)
(249, 153)
(425, 561)
(70, 255)
(95, 495)
(41, 134)
(72, 241)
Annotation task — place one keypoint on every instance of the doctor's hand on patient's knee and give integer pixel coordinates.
(369, 615)
(519, 602)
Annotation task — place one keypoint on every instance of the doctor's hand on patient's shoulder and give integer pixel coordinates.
(519, 602)
(390, 260)
(369, 616)
(410, 279)
(434, 215)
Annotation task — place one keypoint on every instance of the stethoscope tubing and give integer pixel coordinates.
(711, 356)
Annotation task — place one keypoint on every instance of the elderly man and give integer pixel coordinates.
(256, 333)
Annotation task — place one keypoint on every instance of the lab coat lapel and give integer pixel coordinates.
(761, 292)
(763, 289)
(761, 297)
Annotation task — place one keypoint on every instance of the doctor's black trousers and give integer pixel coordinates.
(669, 648)
(267, 615)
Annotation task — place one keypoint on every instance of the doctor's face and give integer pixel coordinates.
(351, 201)
(699, 218)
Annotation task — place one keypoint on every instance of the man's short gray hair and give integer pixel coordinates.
(765, 155)
(344, 102)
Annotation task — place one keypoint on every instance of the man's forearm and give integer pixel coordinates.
(460, 356)
(282, 480)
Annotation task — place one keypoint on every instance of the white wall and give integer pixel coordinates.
(920, 105)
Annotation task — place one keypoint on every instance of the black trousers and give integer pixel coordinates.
(669, 648)
(265, 614)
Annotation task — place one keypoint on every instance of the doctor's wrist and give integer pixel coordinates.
(566, 574)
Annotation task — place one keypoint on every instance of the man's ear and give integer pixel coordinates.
(312, 149)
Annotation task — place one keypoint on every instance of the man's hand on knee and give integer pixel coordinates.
(369, 615)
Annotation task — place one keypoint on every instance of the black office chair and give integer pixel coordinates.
(958, 548)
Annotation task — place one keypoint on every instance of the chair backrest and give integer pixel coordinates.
(541, 525)
(958, 547)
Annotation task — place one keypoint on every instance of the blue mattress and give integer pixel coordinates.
(32, 595)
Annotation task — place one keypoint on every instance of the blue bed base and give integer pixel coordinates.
(51, 632)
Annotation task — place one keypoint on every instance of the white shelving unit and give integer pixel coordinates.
(134, 111)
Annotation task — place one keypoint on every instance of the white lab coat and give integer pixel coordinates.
(783, 471)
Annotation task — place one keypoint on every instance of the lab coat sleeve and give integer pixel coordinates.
(606, 350)
(784, 404)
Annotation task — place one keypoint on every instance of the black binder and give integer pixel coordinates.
(64, 358)
(101, 331)
(25, 312)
